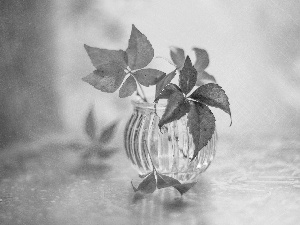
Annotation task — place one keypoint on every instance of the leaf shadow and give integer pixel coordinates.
(94, 170)
(99, 151)
(175, 205)
(16, 164)
(137, 197)
(191, 208)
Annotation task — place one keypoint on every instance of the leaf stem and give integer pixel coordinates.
(193, 100)
(142, 92)
(140, 89)
(160, 57)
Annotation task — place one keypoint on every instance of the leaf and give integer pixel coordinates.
(107, 133)
(133, 187)
(144, 175)
(201, 123)
(148, 77)
(128, 88)
(177, 107)
(212, 95)
(90, 126)
(139, 51)
(164, 181)
(107, 78)
(204, 76)
(163, 82)
(100, 57)
(183, 188)
(148, 185)
(202, 59)
(177, 56)
(167, 92)
(187, 76)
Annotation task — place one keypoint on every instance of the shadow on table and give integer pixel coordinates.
(166, 206)
(55, 162)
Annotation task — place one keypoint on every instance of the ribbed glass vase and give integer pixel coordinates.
(171, 148)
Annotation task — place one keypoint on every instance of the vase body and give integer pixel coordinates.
(171, 148)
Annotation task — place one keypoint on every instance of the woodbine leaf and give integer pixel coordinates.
(177, 107)
(201, 123)
(187, 76)
(212, 95)
(183, 188)
(177, 56)
(133, 187)
(143, 175)
(166, 79)
(139, 51)
(148, 185)
(107, 133)
(204, 76)
(164, 181)
(128, 88)
(90, 125)
(148, 77)
(167, 91)
(104, 56)
(202, 59)
(107, 78)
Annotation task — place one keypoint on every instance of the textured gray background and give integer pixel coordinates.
(254, 53)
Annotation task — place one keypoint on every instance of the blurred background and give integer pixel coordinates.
(253, 46)
(51, 172)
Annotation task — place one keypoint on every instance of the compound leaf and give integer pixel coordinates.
(187, 76)
(177, 56)
(133, 187)
(143, 175)
(163, 82)
(164, 181)
(167, 91)
(204, 76)
(148, 77)
(139, 51)
(201, 123)
(148, 185)
(107, 78)
(202, 59)
(100, 57)
(177, 107)
(183, 188)
(128, 87)
(212, 95)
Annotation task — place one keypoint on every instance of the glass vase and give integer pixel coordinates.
(171, 148)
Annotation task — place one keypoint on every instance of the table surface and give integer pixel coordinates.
(254, 179)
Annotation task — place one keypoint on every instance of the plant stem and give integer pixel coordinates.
(143, 96)
(160, 57)
(193, 100)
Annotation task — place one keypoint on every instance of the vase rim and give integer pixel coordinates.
(148, 105)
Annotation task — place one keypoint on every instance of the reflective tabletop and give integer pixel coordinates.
(254, 179)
